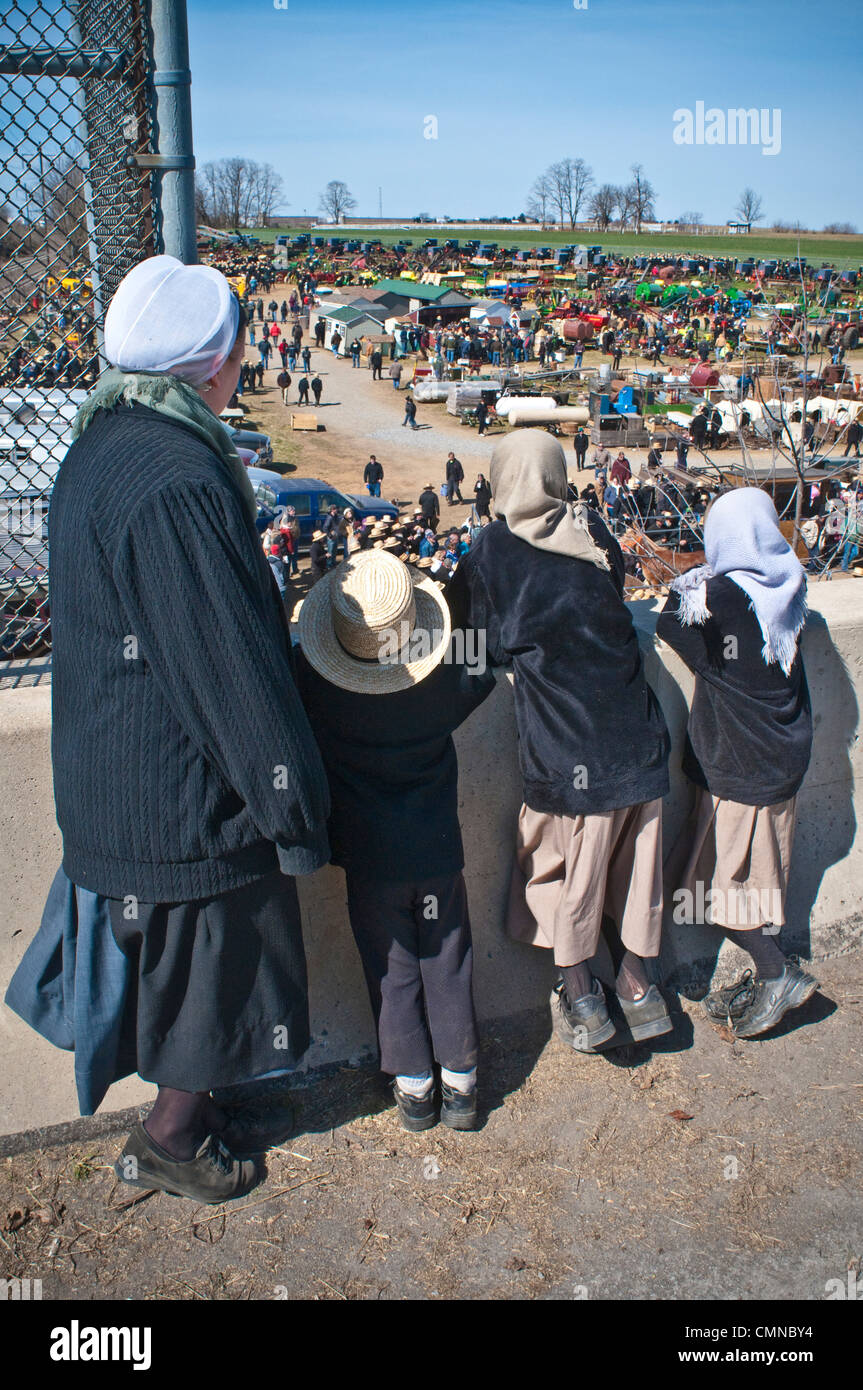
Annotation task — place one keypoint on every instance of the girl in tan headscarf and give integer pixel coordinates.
(545, 581)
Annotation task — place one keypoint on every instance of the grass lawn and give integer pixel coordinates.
(844, 252)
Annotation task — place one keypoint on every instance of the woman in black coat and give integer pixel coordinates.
(173, 700)
(482, 494)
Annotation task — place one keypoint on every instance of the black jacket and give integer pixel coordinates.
(428, 500)
(750, 726)
(454, 471)
(392, 769)
(172, 682)
(592, 736)
(373, 473)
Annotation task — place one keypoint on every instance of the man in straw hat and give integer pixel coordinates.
(384, 698)
(545, 581)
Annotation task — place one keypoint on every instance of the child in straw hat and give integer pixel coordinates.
(383, 698)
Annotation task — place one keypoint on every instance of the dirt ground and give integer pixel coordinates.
(701, 1168)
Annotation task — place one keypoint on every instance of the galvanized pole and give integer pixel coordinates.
(174, 165)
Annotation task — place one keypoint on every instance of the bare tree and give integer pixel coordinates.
(237, 192)
(749, 206)
(640, 197)
(604, 204)
(841, 229)
(691, 219)
(539, 200)
(570, 180)
(336, 200)
(269, 194)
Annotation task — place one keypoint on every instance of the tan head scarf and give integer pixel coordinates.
(528, 483)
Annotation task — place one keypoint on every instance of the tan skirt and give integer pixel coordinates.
(730, 865)
(568, 871)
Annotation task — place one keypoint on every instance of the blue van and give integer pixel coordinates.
(312, 498)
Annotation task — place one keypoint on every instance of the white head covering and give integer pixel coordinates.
(742, 540)
(174, 318)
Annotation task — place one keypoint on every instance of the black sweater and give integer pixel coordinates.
(393, 772)
(750, 726)
(182, 754)
(592, 736)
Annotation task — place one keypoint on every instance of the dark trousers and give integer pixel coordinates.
(453, 491)
(415, 945)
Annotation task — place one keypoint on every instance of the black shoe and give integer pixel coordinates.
(770, 1000)
(726, 1004)
(254, 1127)
(581, 1023)
(415, 1113)
(214, 1175)
(458, 1108)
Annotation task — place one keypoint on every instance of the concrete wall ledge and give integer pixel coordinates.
(825, 909)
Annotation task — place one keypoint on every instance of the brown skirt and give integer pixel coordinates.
(730, 865)
(568, 871)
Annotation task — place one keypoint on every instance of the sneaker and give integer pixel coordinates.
(458, 1108)
(770, 1000)
(726, 1004)
(647, 1017)
(415, 1113)
(253, 1128)
(214, 1175)
(581, 1023)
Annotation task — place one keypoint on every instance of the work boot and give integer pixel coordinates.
(214, 1175)
(583, 1024)
(458, 1108)
(647, 1017)
(770, 1000)
(416, 1113)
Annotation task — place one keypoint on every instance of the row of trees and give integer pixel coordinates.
(237, 192)
(567, 190)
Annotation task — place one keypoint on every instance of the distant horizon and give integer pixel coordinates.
(462, 103)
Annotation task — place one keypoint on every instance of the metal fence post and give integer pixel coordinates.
(174, 166)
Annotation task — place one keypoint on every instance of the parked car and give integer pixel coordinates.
(24, 617)
(253, 439)
(312, 498)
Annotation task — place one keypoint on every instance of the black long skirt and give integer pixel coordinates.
(220, 992)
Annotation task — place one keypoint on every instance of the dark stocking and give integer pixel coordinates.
(577, 980)
(181, 1120)
(764, 949)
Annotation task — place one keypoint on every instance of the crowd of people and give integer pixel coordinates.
(414, 537)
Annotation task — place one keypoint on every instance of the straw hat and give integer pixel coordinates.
(369, 520)
(318, 536)
(355, 620)
(392, 544)
(424, 562)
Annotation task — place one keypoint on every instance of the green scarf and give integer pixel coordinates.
(176, 400)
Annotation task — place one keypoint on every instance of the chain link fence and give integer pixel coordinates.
(77, 211)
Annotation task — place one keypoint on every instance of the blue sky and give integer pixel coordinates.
(330, 89)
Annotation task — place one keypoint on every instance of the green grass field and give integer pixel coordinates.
(844, 252)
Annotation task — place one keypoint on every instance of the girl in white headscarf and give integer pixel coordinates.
(736, 622)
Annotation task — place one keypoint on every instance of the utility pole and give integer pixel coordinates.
(175, 163)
